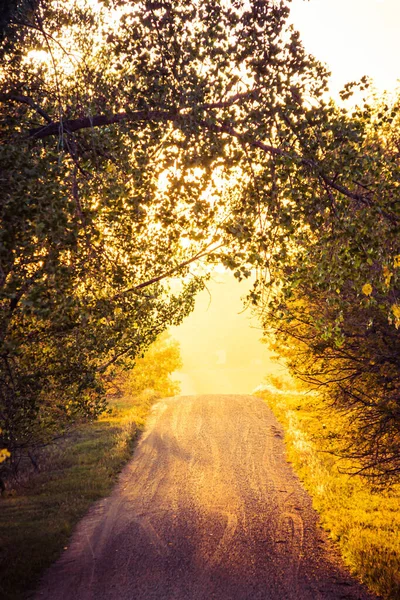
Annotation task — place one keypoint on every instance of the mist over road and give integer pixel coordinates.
(207, 509)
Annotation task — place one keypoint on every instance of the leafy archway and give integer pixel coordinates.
(139, 138)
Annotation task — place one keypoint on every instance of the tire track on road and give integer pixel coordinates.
(208, 509)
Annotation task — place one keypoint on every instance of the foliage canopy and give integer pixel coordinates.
(139, 137)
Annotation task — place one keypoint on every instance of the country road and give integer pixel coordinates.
(207, 509)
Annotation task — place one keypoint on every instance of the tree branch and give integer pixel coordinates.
(71, 125)
(28, 101)
(205, 252)
(174, 115)
(244, 139)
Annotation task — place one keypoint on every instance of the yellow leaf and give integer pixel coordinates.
(4, 453)
(396, 261)
(396, 310)
(367, 289)
(387, 274)
(396, 314)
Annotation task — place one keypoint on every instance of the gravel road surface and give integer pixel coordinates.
(207, 509)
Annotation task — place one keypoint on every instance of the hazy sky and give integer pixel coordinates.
(220, 347)
(220, 344)
(354, 37)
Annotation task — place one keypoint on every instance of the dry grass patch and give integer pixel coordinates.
(363, 521)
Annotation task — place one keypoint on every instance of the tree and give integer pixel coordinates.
(333, 303)
(137, 139)
(152, 371)
(114, 152)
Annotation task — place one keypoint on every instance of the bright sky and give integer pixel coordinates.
(220, 344)
(354, 37)
(220, 350)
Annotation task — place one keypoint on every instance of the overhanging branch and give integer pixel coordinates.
(26, 100)
(72, 125)
(172, 114)
(207, 251)
(176, 115)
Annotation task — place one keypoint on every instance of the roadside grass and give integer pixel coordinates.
(363, 521)
(37, 519)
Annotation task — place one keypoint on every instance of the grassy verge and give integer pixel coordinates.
(364, 522)
(37, 520)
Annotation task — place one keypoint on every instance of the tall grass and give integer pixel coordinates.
(363, 521)
(38, 515)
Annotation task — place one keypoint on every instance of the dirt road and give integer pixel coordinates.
(208, 509)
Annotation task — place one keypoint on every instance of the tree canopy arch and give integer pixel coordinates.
(139, 137)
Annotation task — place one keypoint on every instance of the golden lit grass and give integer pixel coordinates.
(364, 522)
(36, 521)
